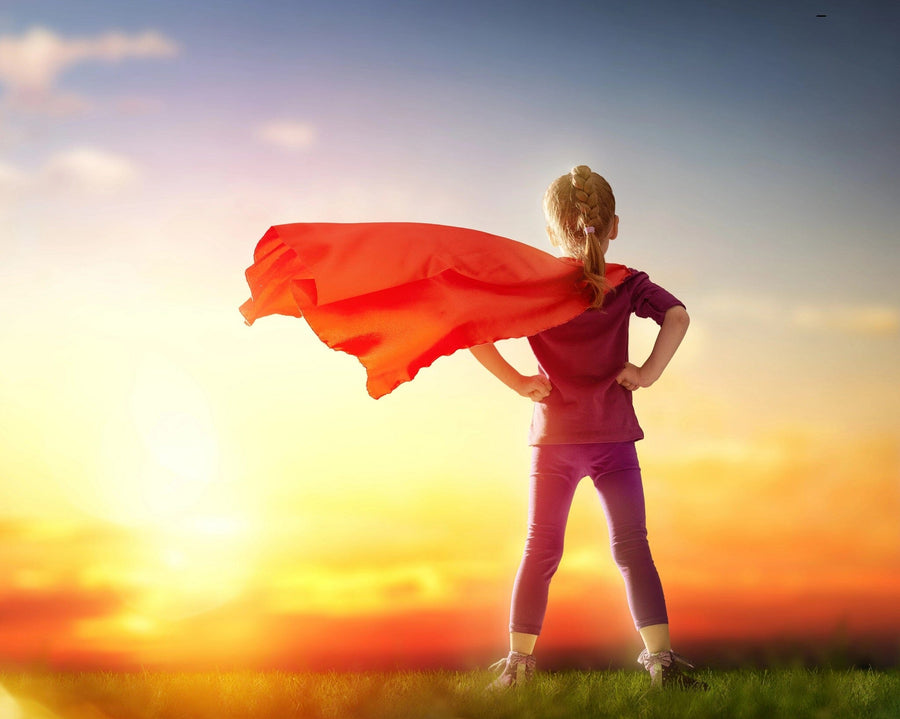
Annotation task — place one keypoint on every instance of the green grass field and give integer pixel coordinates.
(789, 693)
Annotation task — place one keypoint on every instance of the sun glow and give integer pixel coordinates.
(194, 566)
(186, 535)
(157, 455)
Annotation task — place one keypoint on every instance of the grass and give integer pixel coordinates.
(788, 693)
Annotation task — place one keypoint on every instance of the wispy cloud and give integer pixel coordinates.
(88, 169)
(287, 134)
(31, 63)
(852, 318)
(873, 320)
(81, 170)
(742, 307)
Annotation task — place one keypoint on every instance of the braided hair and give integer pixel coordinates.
(580, 208)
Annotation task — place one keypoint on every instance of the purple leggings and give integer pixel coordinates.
(556, 469)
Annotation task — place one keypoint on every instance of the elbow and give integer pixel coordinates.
(678, 315)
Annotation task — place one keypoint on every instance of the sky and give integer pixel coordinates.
(182, 490)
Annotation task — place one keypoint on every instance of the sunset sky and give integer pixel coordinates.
(180, 489)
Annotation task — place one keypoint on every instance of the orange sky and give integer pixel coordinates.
(753, 549)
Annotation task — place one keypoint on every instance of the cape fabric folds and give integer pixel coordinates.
(398, 295)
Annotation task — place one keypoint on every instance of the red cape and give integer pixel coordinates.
(398, 295)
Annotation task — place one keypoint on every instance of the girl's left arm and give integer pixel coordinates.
(536, 387)
(672, 331)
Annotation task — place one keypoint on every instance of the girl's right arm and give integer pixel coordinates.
(536, 387)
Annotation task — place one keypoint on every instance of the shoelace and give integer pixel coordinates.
(500, 664)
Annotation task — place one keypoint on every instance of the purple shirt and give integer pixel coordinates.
(582, 359)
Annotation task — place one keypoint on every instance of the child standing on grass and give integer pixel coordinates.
(399, 295)
(584, 425)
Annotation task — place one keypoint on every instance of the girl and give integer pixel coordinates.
(399, 295)
(584, 424)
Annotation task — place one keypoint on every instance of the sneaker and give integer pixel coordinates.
(517, 668)
(667, 669)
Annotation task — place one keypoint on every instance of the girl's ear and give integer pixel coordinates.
(614, 232)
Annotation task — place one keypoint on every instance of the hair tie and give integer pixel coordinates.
(589, 230)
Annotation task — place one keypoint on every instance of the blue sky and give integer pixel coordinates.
(744, 104)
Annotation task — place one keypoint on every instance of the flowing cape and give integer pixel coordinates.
(398, 295)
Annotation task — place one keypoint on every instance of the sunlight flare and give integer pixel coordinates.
(158, 453)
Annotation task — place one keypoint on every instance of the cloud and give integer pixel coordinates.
(872, 320)
(56, 606)
(30, 64)
(34, 60)
(287, 134)
(851, 318)
(82, 171)
(760, 310)
(328, 590)
(89, 169)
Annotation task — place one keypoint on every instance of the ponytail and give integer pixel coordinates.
(578, 207)
(594, 267)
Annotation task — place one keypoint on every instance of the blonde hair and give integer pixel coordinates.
(580, 208)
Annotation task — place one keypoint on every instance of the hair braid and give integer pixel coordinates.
(587, 197)
(579, 206)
